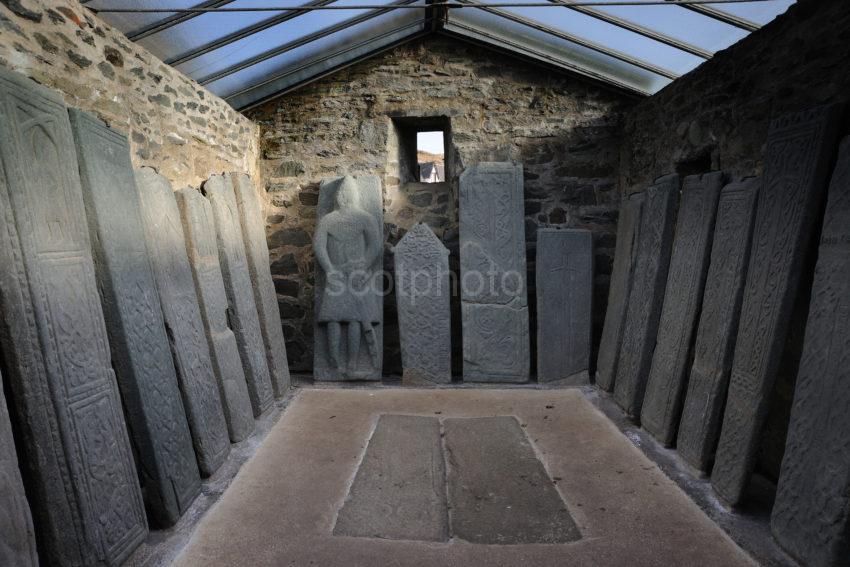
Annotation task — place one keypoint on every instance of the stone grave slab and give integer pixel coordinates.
(494, 304)
(257, 253)
(424, 316)
(799, 150)
(183, 322)
(647, 294)
(199, 229)
(140, 352)
(699, 426)
(671, 361)
(564, 305)
(85, 494)
(349, 243)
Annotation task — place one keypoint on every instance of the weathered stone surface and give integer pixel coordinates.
(493, 274)
(184, 325)
(647, 294)
(718, 325)
(257, 253)
(811, 516)
(797, 158)
(671, 361)
(199, 228)
(423, 295)
(628, 235)
(349, 308)
(85, 493)
(400, 488)
(564, 305)
(242, 312)
(139, 347)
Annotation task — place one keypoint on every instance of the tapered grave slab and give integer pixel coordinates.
(424, 315)
(84, 493)
(139, 346)
(796, 169)
(184, 325)
(564, 305)
(257, 253)
(240, 296)
(811, 516)
(494, 303)
(671, 361)
(628, 233)
(699, 426)
(647, 294)
(199, 229)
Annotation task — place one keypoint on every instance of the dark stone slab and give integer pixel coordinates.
(257, 253)
(185, 327)
(422, 296)
(811, 515)
(139, 346)
(699, 426)
(400, 488)
(85, 494)
(494, 305)
(564, 305)
(647, 294)
(628, 228)
(498, 489)
(199, 228)
(797, 159)
(671, 361)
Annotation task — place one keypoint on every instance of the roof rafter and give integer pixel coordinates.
(722, 16)
(172, 21)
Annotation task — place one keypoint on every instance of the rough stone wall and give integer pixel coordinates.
(174, 124)
(564, 130)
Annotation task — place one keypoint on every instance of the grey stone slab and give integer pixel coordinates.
(647, 294)
(85, 494)
(499, 491)
(796, 169)
(671, 361)
(257, 252)
(349, 309)
(139, 346)
(199, 228)
(564, 305)
(494, 305)
(183, 322)
(699, 425)
(628, 234)
(423, 295)
(811, 513)
(237, 283)
(399, 491)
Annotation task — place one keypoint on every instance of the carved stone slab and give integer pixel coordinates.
(797, 158)
(811, 516)
(423, 295)
(671, 362)
(628, 228)
(199, 229)
(85, 493)
(141, 355)
(369, 364)
(647, 293)
(718, 325)
(237, 283)
(564, 305)
(183, 322)
(257, 252)
(494, 303)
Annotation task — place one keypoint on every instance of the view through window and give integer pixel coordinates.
(430, 155)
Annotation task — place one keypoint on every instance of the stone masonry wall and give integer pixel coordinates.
(564, 130)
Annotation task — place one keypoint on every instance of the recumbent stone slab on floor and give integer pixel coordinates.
(140, 352)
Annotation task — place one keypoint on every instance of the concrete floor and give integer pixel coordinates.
(282, 507)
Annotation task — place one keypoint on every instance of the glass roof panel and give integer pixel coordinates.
(758, 12)
(130, 23)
